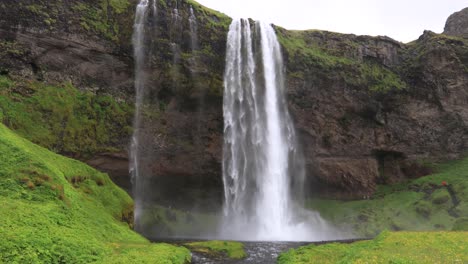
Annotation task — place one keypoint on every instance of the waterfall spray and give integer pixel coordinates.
(262, 165)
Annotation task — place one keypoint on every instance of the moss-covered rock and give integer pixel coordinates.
(422, 204)
(64, 119)
(232, 250)
(461, 224)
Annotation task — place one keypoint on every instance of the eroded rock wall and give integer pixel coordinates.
(368, 109)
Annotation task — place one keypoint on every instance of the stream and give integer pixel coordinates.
(257, 252)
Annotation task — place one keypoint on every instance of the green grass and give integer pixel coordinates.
(136, 253)
(421, 204)
(63, 119)
(234, 250)
(58, 210)
(398, 247)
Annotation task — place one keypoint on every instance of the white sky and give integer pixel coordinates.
(403, 20)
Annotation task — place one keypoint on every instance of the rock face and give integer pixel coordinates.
(368, 110)
(457, 24)
(348, 112)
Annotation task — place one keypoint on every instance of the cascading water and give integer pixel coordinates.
(139, 56)
(193, 30)
(262, 166)
(155, 8)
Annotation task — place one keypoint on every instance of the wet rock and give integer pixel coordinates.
(354, 177)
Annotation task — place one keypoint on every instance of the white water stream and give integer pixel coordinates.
(263, 169)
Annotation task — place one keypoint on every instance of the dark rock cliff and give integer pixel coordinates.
(457, 24)
(369, 109)
(373, 110)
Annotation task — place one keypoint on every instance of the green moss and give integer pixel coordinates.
(404, 206)
(11, 48)
(47, 12)
(5, 83)
(380, 79)
(64, 119)
(423, 208)
(400, 247)
(440, 196)
(234, 250)
(49, 216)
(97, 18)
(119, 6)
(461, 224)
(305, 54)
(38, 9)
(169, 222)
(210, 17)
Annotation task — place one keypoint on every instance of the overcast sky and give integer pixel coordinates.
(403, 20)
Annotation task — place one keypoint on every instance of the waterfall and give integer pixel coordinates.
(193, 30)
(138, 42)
(175, 14)
(262, 165)
(155, 8)
(139, 53)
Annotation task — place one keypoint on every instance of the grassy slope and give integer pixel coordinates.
(58, 210)
(421, 204)
(399, 247)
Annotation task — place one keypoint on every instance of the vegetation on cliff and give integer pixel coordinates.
(306, 52)
(435, 202)
(102, 18)
(63, 119)
(399, 247)
(58, 210)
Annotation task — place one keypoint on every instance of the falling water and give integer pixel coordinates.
(139, 56)
(155, 8)
(193, 30)
(175, 14)
(262, 165)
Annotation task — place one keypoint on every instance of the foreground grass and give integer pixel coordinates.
(58, 210)
(423, 204)
(398, 247)
(234, 250)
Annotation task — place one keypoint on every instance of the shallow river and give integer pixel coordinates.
(257, 252)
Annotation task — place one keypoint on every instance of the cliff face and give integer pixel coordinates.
(369, 109)
(457, 24)
(372, 110)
